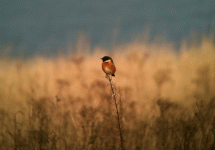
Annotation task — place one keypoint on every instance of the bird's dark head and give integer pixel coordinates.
(106, 58)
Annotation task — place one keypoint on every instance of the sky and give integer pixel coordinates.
(29, 26)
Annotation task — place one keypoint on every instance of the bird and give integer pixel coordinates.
(108, 66)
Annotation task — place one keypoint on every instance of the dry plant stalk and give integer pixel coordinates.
(119, 123)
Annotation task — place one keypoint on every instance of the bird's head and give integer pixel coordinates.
(106, 59)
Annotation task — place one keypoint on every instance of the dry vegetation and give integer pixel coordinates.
(167, 100)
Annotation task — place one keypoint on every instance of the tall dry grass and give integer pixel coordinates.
(65, 102)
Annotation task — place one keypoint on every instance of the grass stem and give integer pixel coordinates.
(119, 123)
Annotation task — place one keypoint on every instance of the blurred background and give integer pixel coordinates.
(54, 94)
(44, 27)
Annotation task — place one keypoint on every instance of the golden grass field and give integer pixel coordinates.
(64, 102)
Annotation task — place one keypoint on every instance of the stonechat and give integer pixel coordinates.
(108, 66)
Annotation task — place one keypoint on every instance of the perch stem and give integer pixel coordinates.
(119, 125)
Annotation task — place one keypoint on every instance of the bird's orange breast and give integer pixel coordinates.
(108, 67)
